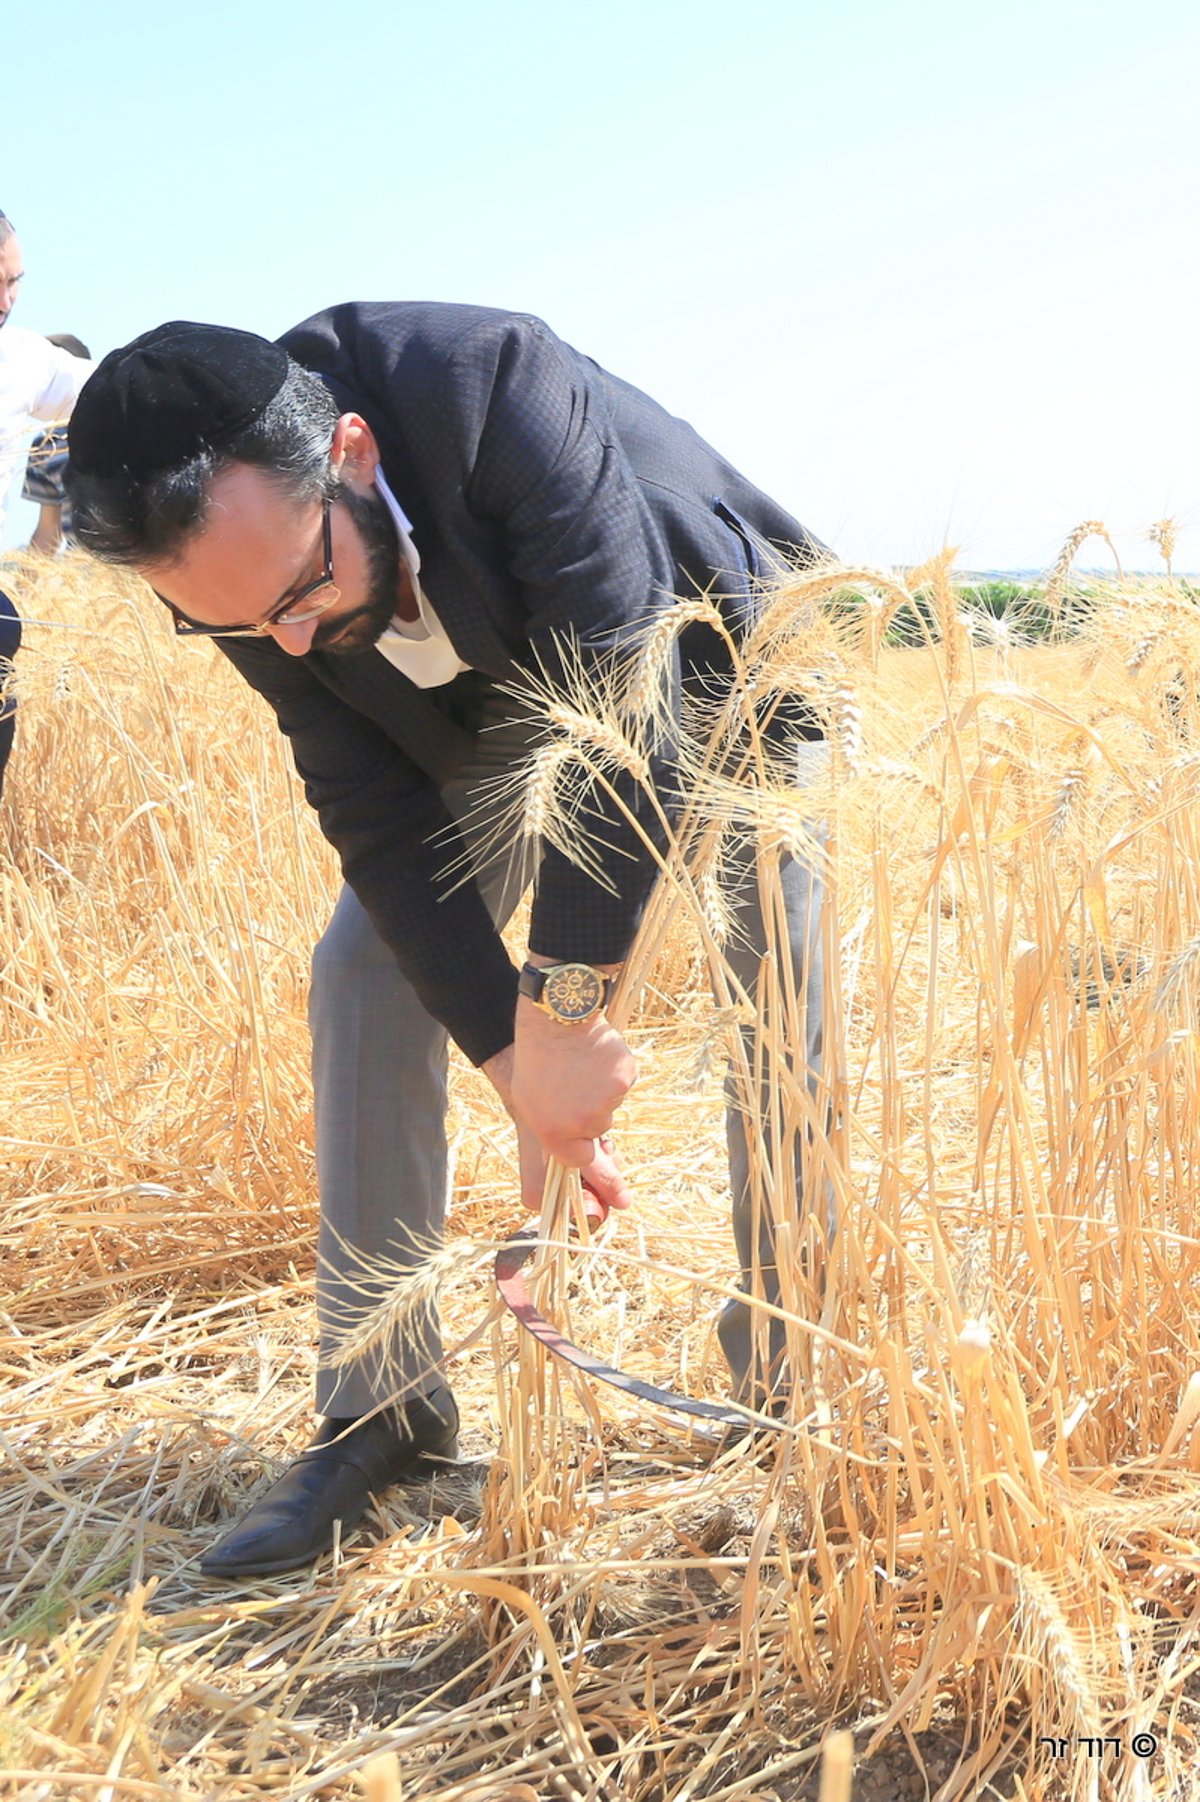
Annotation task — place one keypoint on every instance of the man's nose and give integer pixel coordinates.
(295, 640)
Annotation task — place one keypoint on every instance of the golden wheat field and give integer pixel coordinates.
(974, 1548)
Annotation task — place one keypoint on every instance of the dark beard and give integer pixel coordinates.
(358, 631)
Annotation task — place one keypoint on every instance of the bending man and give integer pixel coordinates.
(381, 520)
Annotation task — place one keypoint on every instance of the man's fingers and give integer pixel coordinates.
(603, 1180)
(576, 1153)
(584, 1124)
(595, 1209)
(595, 1161)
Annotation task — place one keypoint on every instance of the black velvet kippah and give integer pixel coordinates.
(177, 390)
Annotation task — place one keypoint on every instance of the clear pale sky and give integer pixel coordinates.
(928, 271)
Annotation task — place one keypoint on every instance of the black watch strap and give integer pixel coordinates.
(578, 992)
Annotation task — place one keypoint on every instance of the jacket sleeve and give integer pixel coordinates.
(396, 841)
(592, 570)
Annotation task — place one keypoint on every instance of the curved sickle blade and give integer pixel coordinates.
(516, 1252)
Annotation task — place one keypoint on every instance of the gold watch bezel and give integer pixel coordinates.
(572, 994)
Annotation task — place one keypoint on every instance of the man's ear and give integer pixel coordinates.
(355, 450)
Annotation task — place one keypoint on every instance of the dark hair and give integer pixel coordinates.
(148, 519)
(68, 341)
(7, 228)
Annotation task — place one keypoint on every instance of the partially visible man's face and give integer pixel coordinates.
(11, 271)
(335, 631)
(258, 545)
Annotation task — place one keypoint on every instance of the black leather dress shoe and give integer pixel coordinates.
(347, 1463)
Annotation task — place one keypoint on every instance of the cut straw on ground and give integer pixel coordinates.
(975, 1547)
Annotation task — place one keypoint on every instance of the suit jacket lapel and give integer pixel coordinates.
(431, 725)
(442, 532)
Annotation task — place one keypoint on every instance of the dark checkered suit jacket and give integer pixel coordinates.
(547, 499)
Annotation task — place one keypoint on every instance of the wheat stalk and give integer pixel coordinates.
(989, 1484)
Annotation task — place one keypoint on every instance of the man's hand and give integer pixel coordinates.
(568, 1080)
(596, 1164)
(602, 1177)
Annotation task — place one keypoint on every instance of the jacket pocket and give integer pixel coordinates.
(790, 716)
(743, 533)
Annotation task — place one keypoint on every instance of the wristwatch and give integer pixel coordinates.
(572, 994)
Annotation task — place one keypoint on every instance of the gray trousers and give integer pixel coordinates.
(755, 1347)
(380, 1076)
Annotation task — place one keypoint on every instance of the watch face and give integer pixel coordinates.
(573, 992)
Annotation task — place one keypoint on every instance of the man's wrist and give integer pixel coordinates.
(499, 1071)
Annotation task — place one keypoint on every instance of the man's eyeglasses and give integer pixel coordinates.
(293, 611)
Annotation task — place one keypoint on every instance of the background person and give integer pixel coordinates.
(38, 380)
(46, 467)
(385, 518)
